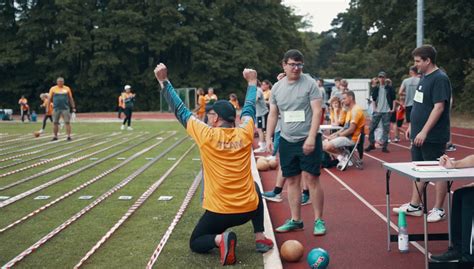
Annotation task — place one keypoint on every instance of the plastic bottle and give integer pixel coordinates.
(402, 233)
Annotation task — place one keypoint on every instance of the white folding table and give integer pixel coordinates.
(432, 174)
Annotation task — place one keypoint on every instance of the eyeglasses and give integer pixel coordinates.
(293, 65)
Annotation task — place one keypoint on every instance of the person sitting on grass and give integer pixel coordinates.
(231, 197)
(462, 214)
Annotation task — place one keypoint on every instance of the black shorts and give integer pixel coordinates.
(393, 117)
(427, 152)
(293, 160)
(400, 122)
(262, 122)
(408, 113)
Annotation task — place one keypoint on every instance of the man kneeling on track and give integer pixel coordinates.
(347, 136)
(231, 197)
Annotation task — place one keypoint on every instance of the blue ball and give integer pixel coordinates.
(318, 258)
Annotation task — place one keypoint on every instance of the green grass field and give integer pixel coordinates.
(133, 243)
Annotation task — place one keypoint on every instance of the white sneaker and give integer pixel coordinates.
(122, 127)
(259, 150)
(41, 131)
(436, 214)
(270, 158)
(129, 128)
(409, 210)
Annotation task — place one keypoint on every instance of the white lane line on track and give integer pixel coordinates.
(462, 135)
(372, 208)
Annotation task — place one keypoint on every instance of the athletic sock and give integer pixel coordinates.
(277, 190)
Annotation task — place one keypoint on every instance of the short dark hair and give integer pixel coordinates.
(293, 54)
(414, 69)
(351, 94)
(425, 52)
(337, 79)
(266, 81)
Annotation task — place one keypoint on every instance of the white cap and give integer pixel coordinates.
(127, 87)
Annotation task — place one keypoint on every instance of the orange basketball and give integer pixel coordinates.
(262, 164)
(36, 134)
(291, 251)
(273, 164)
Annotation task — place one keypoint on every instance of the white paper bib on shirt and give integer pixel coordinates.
(418, 97)
(294, 116)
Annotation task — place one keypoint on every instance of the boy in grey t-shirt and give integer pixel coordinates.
(262, 115)
(297, 99)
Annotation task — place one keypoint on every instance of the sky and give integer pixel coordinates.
(321, 11)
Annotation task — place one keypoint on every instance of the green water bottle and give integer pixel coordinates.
(402, 233)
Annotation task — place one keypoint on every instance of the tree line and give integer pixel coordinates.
(98, 46)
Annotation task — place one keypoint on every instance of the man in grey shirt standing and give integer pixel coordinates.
(297, 99)
(408, 88)
(383, 96)
(262, 115)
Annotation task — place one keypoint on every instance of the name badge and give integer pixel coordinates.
(294, 116)
(418, 97)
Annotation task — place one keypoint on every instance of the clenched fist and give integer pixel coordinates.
(250, 75)
(161, 73)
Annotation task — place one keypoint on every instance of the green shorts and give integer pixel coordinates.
(65, 113)
(293, 161)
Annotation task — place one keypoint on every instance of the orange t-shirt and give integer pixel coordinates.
(356, 116)
(235, 103)
(49, 111)
(226, 160)
(202, 104)
(208, 97)
(23, 102)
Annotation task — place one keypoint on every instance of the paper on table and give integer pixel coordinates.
(432, 169)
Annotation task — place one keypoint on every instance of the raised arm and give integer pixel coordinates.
(250, 98)
(181, 112)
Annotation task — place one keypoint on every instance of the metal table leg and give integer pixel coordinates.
(425, 223)
(387, 194)
(450, 183)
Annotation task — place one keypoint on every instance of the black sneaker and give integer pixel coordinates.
(54, 139)
(369, 148)
(69, 138)
(384, 149)
(450, 147)
(451, 255)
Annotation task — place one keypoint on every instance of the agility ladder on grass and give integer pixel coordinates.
(86, 209)
(93, 180)
(177, 217)
(72, 173)
(132, 209)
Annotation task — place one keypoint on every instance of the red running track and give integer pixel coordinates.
(356, 235)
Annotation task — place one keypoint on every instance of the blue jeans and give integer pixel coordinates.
(376, 117)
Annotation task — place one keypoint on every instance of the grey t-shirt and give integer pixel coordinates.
(293, 102)
(410, 85)
(261, 107)
(382, 103)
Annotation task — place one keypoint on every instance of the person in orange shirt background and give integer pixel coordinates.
(48, 110)
(210, 96)
(234, 101)
(121, 104)
(61, 98)
(24, 108)
(201, 104)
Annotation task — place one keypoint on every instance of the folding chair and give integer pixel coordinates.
(356, 159)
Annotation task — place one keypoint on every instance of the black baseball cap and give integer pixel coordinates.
(225, 110)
